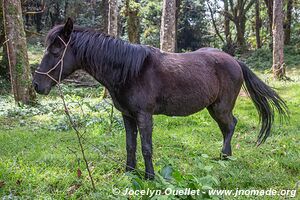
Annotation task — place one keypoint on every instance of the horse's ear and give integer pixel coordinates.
(68, 28)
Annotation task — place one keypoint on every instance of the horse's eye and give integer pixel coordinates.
(55, 51)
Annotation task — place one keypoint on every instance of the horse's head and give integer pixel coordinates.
(58, 61)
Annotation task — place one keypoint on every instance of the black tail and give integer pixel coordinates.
(266, 101)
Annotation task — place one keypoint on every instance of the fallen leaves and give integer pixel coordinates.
(73, 189)
(79, 173)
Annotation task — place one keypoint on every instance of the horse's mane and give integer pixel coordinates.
(100, 51)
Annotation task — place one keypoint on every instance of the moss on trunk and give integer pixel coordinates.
(17, 53)
(133, 22)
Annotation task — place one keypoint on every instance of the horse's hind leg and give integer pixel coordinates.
(226, 121)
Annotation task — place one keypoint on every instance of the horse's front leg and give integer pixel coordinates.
(145, 129)
(131, 134)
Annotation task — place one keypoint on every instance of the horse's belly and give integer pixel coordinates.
(179, 111)
(184, 105)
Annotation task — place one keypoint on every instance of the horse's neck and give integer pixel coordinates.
(100, 76)
(97, 72)
(111, 61)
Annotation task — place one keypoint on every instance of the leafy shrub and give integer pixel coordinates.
(262, 59)
(172, 178)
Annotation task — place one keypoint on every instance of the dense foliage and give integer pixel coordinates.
(192, 26)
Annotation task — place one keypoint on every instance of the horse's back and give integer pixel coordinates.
(206, 62)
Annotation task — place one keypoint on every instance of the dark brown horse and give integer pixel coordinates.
(144, 81)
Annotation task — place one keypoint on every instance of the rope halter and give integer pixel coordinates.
(59, 63)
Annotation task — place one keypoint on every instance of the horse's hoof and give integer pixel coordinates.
(224, 156)
(149, 176)
(129, 169)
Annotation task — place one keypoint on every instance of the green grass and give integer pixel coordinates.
(38, 161)
(39, 155)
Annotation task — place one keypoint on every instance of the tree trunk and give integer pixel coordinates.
(178, 3)
(113, 18)
(4, 72)
(278, 39)
(104, 14)
(238, 10)
(38, 20)
(168, 26)
(2, 35)
(112, 26)
(269, 4)
(55, 16)
(66, 9)
(227, 24)
(17, 52)
(240, 31)
(288, 22)
(257, 25)
(214, 23)
(133, 22)
(4, 68)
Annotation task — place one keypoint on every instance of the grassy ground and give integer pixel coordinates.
(40, 159)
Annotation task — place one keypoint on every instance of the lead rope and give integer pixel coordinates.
(59, 63)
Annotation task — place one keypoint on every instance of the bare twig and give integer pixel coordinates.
(36, 12)
(214, 23)
(33, 33)
(79, 136)
(80, 83)
(111, 118)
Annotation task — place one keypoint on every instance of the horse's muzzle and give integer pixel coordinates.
(39, 90)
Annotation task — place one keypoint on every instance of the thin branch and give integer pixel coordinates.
(36, 12)
(80, 83)
(33, 33)
(111, 118)
(79, 138)
(249, 5)
(228, 15)
(231, 6)
(214, 23)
